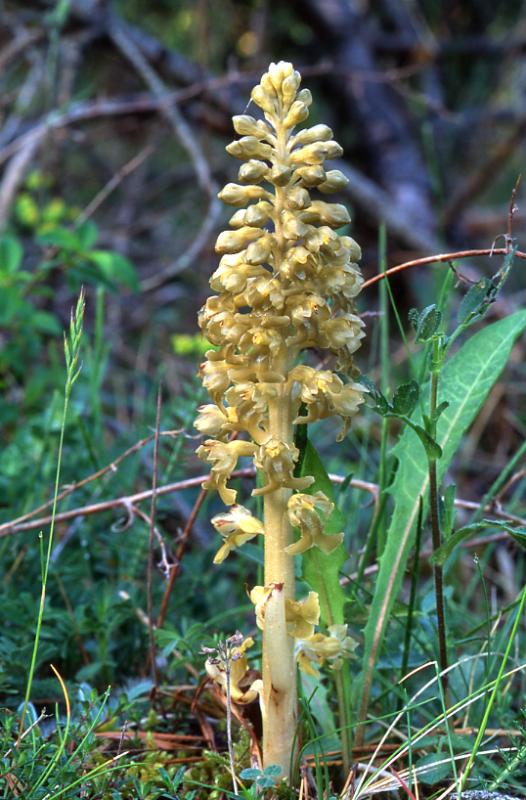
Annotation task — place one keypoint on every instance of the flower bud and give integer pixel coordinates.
(298, 112)
(246, 125)
(234, 241)
(235, 195)
(259, 251)
(258, 214)
(332, 214)
(316, 153)
(289, 88)
(318, 133)
(311, 176)
(298, 198)
(335, 181)
(253, 171)
(280, 174)
(265, 101)
(249, 147)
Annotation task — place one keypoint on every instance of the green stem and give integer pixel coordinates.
(436, 534)
(341, 682)
(412, 596)
(45, 571)
(72, 372)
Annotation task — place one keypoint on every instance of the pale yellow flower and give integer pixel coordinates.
(243, 688)
(304, 512)
(315, 650)
(277, 460)
(237, 526)
(224, 457)
(301, 615)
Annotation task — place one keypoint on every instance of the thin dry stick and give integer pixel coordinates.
(183, 543)
(153, 508)
(164, 565)
(72, 487)
(128, 501)
(113, 182)
(441, 257)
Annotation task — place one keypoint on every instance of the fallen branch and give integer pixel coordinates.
(127, 501)
(441, 257)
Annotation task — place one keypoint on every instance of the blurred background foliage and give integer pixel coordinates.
(113, 123)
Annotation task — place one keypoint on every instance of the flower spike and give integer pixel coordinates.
(286, 282)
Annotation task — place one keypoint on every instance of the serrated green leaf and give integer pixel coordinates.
(432, 448)
(405, 398)
(428, 323)
(475, 301)
(320, 570)
(443, 553)
(379, 401)
(465, 382)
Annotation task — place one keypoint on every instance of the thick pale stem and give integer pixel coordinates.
(279, 669)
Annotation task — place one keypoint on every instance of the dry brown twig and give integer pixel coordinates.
(114, 182)
(181, 548)
(127, 502)
(440, 258)
(111, 467)
(149, 571)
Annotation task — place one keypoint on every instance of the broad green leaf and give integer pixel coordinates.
(465, 382)
(115, 268)
(87, 234)
(433, 768)
(519, 534)
(320, 570)
(61, 237)
(10, 254)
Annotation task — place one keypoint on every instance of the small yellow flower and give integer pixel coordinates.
(224, 457)
(212, 421)
(301, 615)
(319, 648)
(243, 689)
(304, 513)
(237, 526)
(276, 460)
